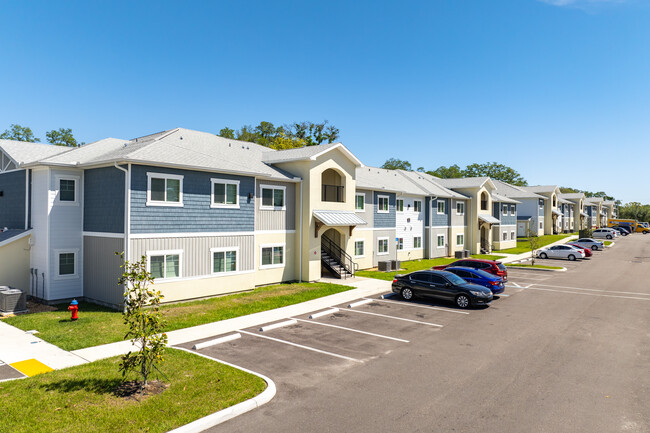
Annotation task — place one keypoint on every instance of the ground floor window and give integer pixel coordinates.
(417, 242)
(441, 241)
(224, 260)
(67, 263)
(512, 236)
(382, 246)
(165, 264)
(460, 240)
(272, 256)
(541, 225)
(359, 247)
(505, 236)
(400, 243)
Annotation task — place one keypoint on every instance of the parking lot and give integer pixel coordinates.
(560, 351)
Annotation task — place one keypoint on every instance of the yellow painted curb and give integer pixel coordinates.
(31, 367)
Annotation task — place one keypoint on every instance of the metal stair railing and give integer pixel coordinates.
(347, 266)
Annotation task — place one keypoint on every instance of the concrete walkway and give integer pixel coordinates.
(513, 258)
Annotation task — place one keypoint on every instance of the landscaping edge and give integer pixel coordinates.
(231, 412)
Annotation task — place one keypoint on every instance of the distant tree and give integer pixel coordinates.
(451, 172)
(314, 133)
(567, 190)
(227, 133)
(497, 171)
(62, 137)
(604, 195)
(297, 134)
(397, 164)
(19, 133)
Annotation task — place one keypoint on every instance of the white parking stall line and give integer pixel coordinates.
(313, 349)
(396, 318)
(528, 277)
(354, 330)
(501, 295)
(420, 306)
(593, 290)
(588, 294)
(515, 284)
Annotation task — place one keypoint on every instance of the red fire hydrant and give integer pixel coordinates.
(73, 308)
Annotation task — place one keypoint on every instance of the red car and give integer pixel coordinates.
(490, 266)
(587, 251)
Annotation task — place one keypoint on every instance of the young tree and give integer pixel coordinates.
(533, 241)
(397, 164)
(19, 133)
(143, 319)
(62, 137)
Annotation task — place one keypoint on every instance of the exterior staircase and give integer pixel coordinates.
(335, 260)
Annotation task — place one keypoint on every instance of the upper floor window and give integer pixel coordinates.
(400, 205)
(333, 186)
(441, 206)
(400, 243)
(382, 204)
(67, 186)
(505, 209)
(417, 206)
(164, 189)
(484, 201)
(554, 201)
(225, 193)
(360, 202)
(460, 208)
(541, 203)
(272, 197)
(512, 209)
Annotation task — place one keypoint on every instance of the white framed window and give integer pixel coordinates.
(417, 206)
(460, 240)
(164, 189)
(512, 236)
(399, 206)
(360, 202)
(225, 260)
(417, 242)
(359, 248)
(224, 193)
(66, 264)
(541, 204)
(273, 197)
(460, 208)
(441, 206)
(441, 241)
(67, 190)
(382, 204)
(165, 265)
(382, 246)
(541, 225)
(504, 209)
(400, 243)
(272, 256)
(505, 236)
(512, 209)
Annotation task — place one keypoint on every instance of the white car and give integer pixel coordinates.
(604, 233)
(561, 252)
(592, 244)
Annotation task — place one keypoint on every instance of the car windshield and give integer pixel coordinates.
(455, 279)
(484, 274)
(501, 266)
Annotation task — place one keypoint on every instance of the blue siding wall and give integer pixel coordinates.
(427, 211)
(509, 220)
(385, 219)
(104, 200)
(496, 210)
(437, 219)
(196, 214)
(12, 202)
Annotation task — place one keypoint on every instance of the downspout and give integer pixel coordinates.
(27, 199)
(300, 237)
(430, 222)
(126, 209)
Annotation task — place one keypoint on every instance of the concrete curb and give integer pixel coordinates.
(231, 412)
(538, 269)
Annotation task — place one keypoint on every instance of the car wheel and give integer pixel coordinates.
(543, 256)
(462, 301)
(609, 236)
(407, 294)
(571, 257)
(594, 247)
(645, 233)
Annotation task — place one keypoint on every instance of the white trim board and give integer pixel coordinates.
(15, 238)
(104, 235)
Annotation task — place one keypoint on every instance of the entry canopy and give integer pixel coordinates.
(338, 218)
(557, 212)
(584, 214)
(489, 219)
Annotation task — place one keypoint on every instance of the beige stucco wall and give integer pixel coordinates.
(185, 289)
(14, 264)
(288, 272)
(473, 234)
(365, 261)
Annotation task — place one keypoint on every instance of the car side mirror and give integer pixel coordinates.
(448, 285)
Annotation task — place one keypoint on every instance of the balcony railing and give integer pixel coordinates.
(333, 193)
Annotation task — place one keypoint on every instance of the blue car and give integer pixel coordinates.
(482, 278)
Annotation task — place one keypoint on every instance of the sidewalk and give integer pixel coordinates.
(17, 345)
(513, 258)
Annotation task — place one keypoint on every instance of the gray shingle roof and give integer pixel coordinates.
(572, 196)
(11, 233)
(306, 152)
(503, 199)
(24, 153)
(541, 188)
(464, 182)
(512, 191)
(380, 179)
(430, 184)
(594, 200)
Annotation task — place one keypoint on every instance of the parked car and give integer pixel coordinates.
(561, 252)
(441, 285)
(482, 278)
(586, 250)
(590, 243)
(607, 233)
(625, 229)
(621, 231)
(489, 266)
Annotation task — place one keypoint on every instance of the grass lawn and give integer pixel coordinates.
(608, 242)
(81, 398)
(418, 265)
(521, 265)
(99, 325)
(524, 247)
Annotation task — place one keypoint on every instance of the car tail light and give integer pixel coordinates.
(494, 283)
(394, 280)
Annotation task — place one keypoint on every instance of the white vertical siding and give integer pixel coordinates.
(409, 223)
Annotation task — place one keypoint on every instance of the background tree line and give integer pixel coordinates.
(297, 134)
(58, 137)
(635, 210)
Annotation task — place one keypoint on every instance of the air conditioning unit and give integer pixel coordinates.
(12, 300)
(385, 266)
(395, 265)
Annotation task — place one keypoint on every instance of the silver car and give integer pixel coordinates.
(604, 233)
(561, 252)
(590, 243)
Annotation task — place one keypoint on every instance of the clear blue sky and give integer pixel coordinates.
(557, 89)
